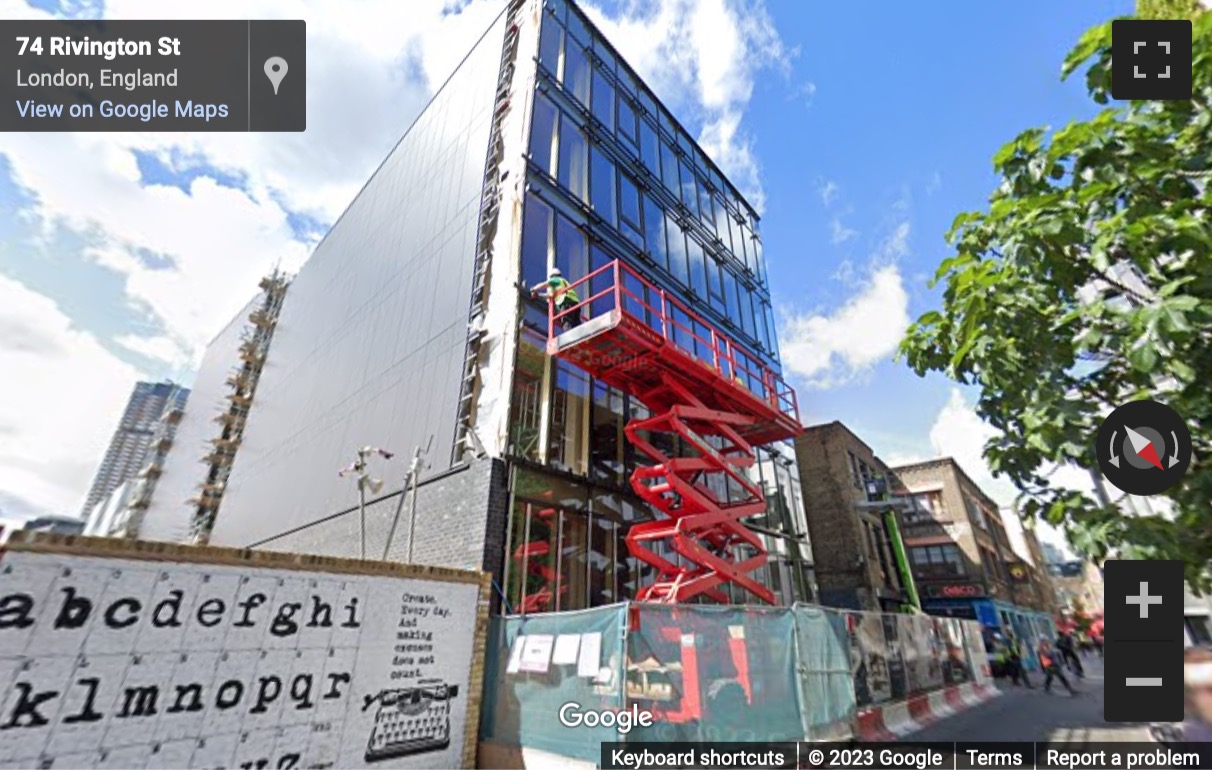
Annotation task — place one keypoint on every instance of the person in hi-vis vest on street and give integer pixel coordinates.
(565, 297)
(1051, 660)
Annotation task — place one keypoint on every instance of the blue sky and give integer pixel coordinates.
(910, 101)
(862, 127)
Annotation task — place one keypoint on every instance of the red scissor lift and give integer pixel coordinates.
(719, 400)
(700, 386)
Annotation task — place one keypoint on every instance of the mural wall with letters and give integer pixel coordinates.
(123, 659)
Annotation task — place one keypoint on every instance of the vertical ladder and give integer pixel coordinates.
(490, 204)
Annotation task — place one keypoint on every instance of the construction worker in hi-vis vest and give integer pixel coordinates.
(565, 296)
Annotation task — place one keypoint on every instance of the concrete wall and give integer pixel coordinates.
(370, 343)
(168, 514)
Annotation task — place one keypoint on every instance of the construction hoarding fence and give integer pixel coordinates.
(710, 673)
(121, 654)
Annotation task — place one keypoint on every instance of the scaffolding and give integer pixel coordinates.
(130, 520)
(717, 398)
(466, 444)
(242, 385)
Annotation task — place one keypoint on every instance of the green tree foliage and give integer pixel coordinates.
(1088, 283)
(1168, 9)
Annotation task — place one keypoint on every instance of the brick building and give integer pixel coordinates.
(960, 552)
(847, 495)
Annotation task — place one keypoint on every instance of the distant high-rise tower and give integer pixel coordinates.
(134, 434)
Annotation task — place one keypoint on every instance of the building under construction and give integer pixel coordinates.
(189, 479)
(629, 441)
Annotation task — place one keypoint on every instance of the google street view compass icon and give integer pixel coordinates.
(1144, 448)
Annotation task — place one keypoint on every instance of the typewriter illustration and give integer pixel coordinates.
(410, 720)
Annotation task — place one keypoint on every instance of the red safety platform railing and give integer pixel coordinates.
(720, 400)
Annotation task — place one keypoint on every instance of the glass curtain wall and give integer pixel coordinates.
(613, 176)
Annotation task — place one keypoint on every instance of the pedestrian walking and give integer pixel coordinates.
(1065, 645)
(1197, 681)
(1015, 669)
(1053, 664)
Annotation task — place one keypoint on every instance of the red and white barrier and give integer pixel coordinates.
(891, 721)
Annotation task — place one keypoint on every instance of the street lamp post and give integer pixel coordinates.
(411, 484)
(358, 470)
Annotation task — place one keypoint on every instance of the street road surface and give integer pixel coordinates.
(1033, 715)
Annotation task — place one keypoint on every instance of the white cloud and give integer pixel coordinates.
(804, 92)
(895, 246)
(838, 232)
(934, 184)
(959, 432)
(828, 349)
(828, 190)
(705, 56)
(60, 397)
(160, 348)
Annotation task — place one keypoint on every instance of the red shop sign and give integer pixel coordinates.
(959, 591)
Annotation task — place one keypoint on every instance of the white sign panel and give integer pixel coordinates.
(137, 656)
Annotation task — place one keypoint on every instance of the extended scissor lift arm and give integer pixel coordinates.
(699, 386)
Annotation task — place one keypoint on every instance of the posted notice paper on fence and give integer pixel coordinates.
(116, 654)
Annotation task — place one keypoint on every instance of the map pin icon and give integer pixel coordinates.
(275, 70)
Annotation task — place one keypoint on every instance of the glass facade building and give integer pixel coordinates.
(411, 320)
(612, 175)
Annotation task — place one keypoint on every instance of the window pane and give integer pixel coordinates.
(755, 249)
(654, 229)
(629, 200)
(698, 273)
(730, 301)
(609, 62)
(714, 283)
(576, 72)
(650, 148)
(708, 215)
(549, 44)
(747, 313)
(702, 341)
(536, 235)
(572, 253)
(599, 283)
(542, 133)
(669, 169)
(576, 25)
(648, 103)
(682, 329)
(572, 160)
(771, 337)
(677, 251)
(667, 122)
(740, 239)
(721, 223)
(602, 196)
(566, 437)
(774, 337)
(689, 194)
(626, 121)
(603, 100)
(626, 81)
